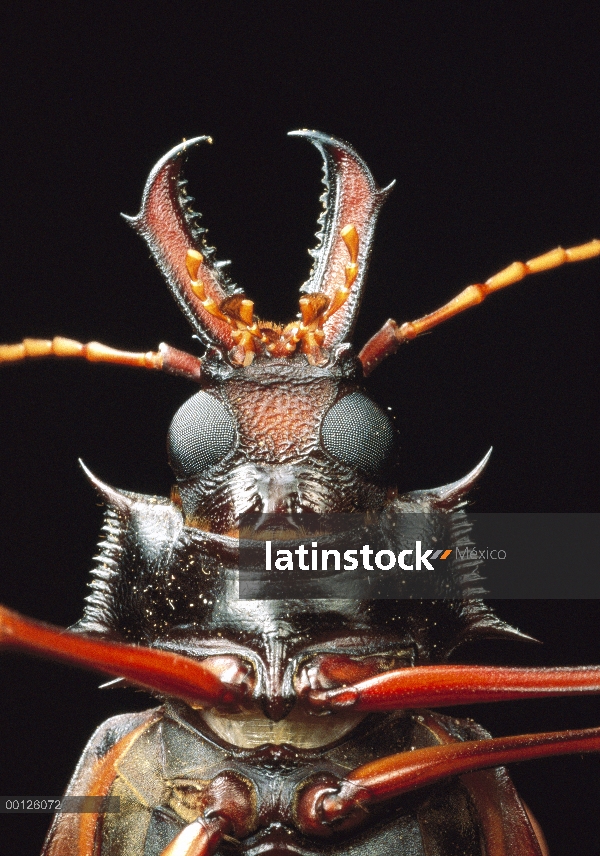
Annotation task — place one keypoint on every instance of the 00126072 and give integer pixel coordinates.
(298, 725)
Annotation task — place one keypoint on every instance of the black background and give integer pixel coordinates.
(487, 116)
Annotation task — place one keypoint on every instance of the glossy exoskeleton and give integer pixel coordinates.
(293, 725)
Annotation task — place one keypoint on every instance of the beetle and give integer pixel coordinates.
(275, 710)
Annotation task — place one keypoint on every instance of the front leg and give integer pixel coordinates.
(336, 685)
(506, 827)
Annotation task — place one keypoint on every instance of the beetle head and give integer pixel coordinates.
(281, 426)
(281, 436)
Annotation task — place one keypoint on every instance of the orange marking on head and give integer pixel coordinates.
(193, 260)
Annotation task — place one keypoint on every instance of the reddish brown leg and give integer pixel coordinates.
(159, 671)
(200, 838)
(343, 804)
(165, 359)
(439, 686)
(392, 335)
(229, 811)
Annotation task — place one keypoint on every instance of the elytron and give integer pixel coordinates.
(289, 725)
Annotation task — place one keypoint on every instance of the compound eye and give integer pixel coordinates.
(358, 434)
(201, 435)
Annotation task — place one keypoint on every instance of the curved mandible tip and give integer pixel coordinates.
(170, 227)
(351, 198)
